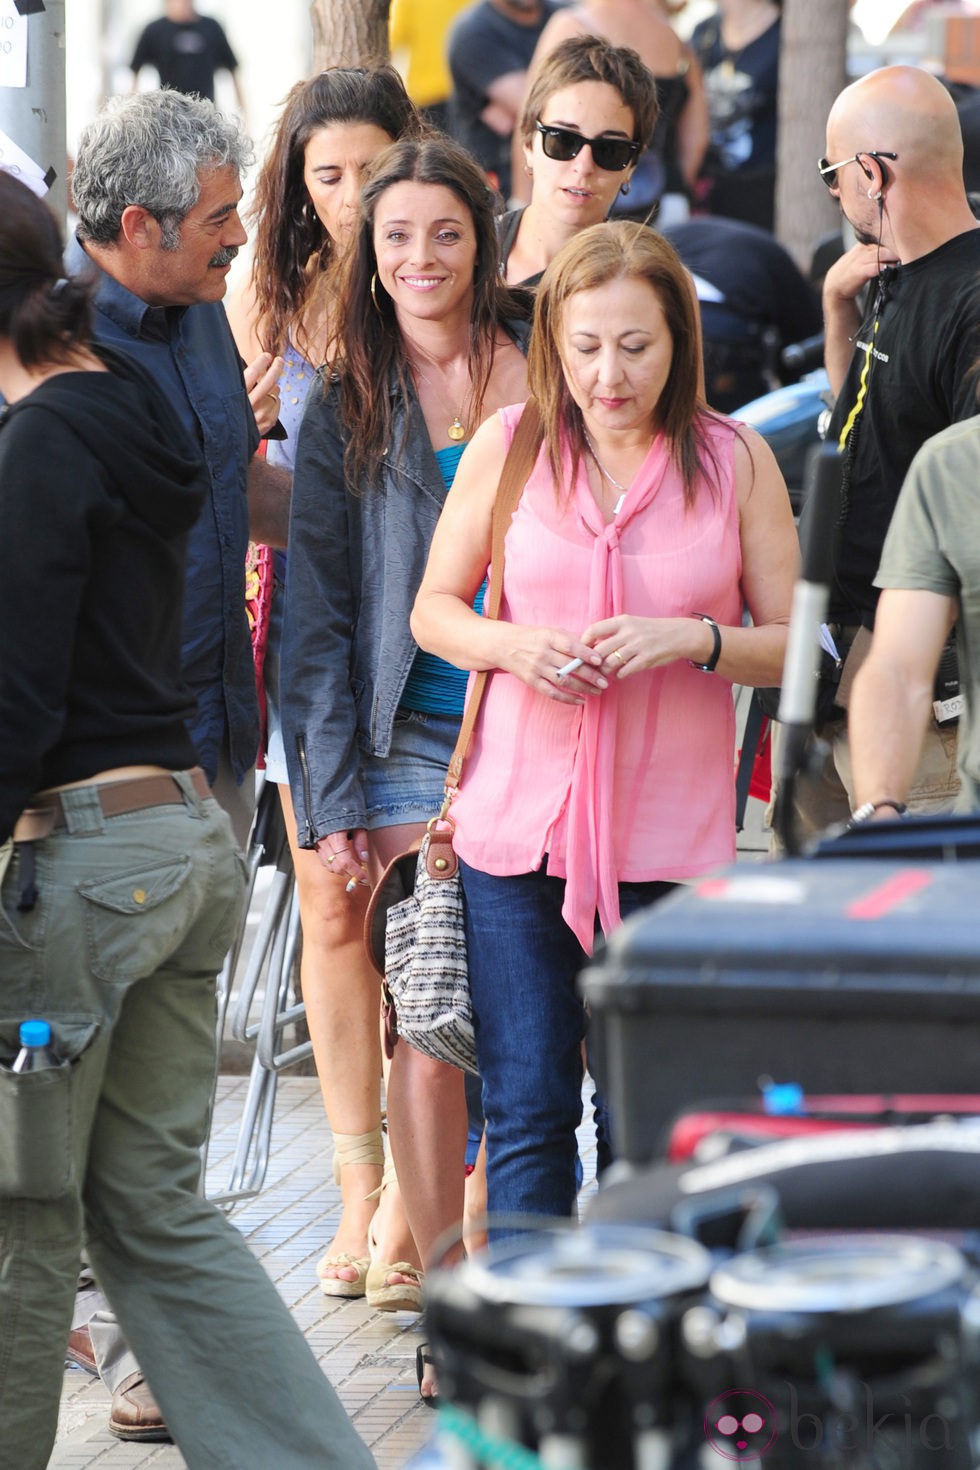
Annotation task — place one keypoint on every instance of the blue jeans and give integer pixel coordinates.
(524, 963)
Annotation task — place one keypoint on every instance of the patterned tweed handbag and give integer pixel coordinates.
(413, 932)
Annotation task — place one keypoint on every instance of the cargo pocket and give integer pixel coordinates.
(37, 1116)
(134, 920)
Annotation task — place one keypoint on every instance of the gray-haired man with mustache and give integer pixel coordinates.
(157, 185)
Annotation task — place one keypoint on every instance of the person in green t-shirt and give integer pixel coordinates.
(930, 576)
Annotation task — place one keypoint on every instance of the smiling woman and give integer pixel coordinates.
(428, 343)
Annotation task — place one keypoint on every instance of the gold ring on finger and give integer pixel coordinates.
(616, 654)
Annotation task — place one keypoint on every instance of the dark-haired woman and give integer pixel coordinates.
(121, 888)
(601, 767)
(305, 210)
(674, 146)
(584, 89)
(427, 347)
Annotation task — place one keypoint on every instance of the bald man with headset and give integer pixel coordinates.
(902, 325)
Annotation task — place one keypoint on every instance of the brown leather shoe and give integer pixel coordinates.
(79, 1350)
(135, 1413)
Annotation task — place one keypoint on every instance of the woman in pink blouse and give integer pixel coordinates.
(601, 767)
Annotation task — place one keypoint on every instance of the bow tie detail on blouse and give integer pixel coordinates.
(591, 872)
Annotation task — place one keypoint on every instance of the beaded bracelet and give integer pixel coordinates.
(868, 809)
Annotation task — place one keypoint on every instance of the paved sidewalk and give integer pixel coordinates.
(368, 1356)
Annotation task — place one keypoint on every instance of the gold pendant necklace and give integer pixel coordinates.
(457, 430)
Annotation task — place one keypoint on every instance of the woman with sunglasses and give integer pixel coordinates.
(601, 765)
(666, 170)
(590, 112)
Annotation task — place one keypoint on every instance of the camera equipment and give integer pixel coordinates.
(846, 1352)
(848, 976)
(563, 1340)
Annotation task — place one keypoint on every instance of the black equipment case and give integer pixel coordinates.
(851, 976)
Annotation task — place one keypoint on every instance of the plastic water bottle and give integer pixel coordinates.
(35, 1048)
(783, 1100)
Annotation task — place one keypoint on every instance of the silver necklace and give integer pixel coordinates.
(623, 489)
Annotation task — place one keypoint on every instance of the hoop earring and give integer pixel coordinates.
(374, 291)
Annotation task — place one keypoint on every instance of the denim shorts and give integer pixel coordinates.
(407, 784)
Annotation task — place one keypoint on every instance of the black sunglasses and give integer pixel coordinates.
(564, 144)
(828, 171)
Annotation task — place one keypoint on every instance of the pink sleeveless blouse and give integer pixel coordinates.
(636, 784)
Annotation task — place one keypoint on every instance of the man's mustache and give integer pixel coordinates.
(225, 255)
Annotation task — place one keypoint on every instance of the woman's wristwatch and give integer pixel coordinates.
(712, 663)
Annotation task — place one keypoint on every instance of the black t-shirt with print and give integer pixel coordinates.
(742, 91)
(921, 379)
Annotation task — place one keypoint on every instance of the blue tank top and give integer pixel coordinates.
(434, 686)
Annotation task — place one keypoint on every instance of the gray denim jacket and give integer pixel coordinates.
(355, 565)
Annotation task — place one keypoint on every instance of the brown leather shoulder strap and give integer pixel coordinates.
(520, 459)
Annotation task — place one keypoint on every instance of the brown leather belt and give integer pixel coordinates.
(115, 798)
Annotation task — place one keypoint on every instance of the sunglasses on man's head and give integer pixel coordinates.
(564, 144)
(828, 171)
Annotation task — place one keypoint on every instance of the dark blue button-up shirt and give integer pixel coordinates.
(191, 354)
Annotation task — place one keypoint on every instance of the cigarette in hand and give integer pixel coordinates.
(569, 668)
